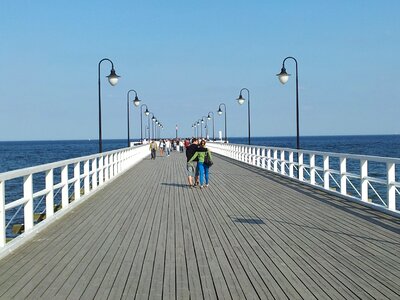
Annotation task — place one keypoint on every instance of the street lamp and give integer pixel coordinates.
(195, 130)
(283, 78)
(209, 118)
(153, 121)
(220, 113)
(148, 121)
(141, 120)
(241, 100)
(200, 122)
(204, 118)
(136, 103)
(113, 80)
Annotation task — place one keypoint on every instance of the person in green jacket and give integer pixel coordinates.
(201, 153)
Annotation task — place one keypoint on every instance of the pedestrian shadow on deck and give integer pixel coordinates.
(356, 209)
(174, 184)
(255, 221)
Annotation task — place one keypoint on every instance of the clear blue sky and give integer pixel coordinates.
(185, 57)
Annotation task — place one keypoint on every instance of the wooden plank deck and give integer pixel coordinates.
(249, 235)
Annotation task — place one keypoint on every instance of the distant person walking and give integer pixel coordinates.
(191, 167)
(201, 154)
(168, 147)
(162, 146)
(153, 149)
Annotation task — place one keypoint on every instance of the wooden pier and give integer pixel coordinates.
(249, 235)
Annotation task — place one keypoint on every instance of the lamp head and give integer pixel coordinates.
(146, 112)
(153, 118)
(209, 117)
(113, 77)
(283, 76)
(136, 102)
(219, 111)
(240, 99)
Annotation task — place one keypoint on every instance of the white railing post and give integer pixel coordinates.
(283, 162)
(28, 207)
(269, 159)
(77, 183)
(275, 160)
(326, 172)
(64, 189)
(301, 165)
(291, 164)
(343, 175)
(258, 156)
(86, 179)
(263, 158)
(106, 167)
(110, 166)
(312, 169)
(50, 194)
(2, 214)
(101, 170)
(364, 179)
(391, 188)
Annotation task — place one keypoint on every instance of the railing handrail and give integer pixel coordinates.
(321, 153)
(43, 167)
(319, 173)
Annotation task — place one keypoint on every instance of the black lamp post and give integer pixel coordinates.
(196, 130)
(153, 122)
(136, 102)
(220, 113)
(283, 78)
(141, 120)
(113, 80)
(200, 122)
(209, 118)
(156, 129)
(241, 100)
(204, 118)
(150, 128)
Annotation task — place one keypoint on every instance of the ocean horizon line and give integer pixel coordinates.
(232, 137)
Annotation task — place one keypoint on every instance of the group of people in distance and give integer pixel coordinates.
(198, 174)
(165, 146)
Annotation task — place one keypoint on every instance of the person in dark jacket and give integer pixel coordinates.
(190, 167)
(201, 154)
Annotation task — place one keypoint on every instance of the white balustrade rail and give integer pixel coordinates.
(83, 175)
(371, 180)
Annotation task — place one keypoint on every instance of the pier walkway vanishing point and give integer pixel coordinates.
(250, 235)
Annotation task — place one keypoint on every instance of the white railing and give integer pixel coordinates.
(369, 179)
(60, 184)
